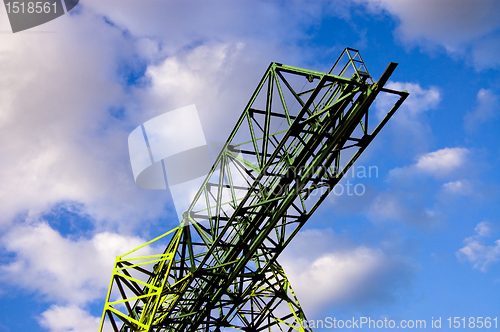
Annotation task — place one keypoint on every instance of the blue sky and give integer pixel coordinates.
(422, 242)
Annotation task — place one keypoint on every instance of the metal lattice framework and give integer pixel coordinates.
(287, 151)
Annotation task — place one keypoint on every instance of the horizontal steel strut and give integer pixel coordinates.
(288, 150)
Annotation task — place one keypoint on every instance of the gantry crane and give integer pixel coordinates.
(288, 150)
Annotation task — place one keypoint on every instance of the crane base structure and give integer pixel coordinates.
(289, 149)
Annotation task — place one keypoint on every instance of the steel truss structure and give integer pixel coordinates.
(287, 151)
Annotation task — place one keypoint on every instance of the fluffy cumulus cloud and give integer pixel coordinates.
(411, 195)
(336, 277)
(480, 255)
(463, 187)
(71, 273)
(442, 162)
(462, 27)
(66, 138)
(409, 124)
(326, 270)
(488, 108)
(147, 17)
(68, 318)
(204, 76)
(63, 137)
(60, 269)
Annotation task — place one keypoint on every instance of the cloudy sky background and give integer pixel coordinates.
(424, 239)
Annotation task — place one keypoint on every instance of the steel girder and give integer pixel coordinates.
(288, 150)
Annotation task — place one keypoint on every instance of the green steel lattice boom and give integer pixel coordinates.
(287, 151)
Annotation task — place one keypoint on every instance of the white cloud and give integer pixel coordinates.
(462, 187)
(62, 144)
(335, 277)
(68, 318)
(478, 254)
(462, 27)
(197, 20)
(61, 269)
(487, 109)
(442, 162)
(411, 196)
(203, 76)
(409, 124)
(324, 269)
(448, 22)
(59, 140)
(420, 99)
(484, 228)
